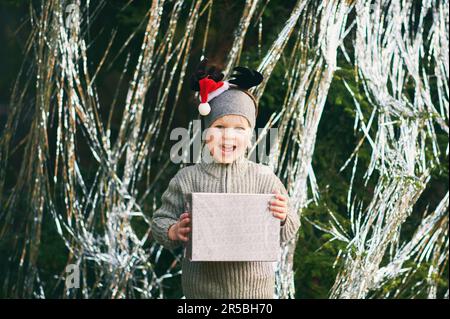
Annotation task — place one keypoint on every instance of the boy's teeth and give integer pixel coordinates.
(228, 148)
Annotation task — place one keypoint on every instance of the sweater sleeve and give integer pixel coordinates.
(168, 214)
(291, 224)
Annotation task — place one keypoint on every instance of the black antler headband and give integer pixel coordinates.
(208, 81)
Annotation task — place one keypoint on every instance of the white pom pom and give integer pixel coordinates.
(204, 108)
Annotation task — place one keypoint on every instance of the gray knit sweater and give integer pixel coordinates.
(253, 280)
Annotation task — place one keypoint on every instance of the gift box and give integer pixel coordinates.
(232, 227)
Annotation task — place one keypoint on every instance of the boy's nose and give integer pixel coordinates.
(229, 132)
(229, 139)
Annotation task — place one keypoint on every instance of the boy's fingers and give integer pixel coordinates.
(279, 215)
(184, 215)
(278, 209)
(183, 238)
(276, 202)
(185, 221)
(185, 230)
(277, 194)
(281, 197)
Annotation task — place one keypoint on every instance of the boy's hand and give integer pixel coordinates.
(278, 206)
(181, 229)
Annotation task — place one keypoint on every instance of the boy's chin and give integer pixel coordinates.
(227, 158)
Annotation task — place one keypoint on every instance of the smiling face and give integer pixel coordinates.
(228, 137)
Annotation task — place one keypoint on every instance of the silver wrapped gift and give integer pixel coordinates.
(232, 227)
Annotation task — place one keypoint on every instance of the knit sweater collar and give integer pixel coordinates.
(217, 169)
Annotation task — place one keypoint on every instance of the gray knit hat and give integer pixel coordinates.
(232, 101)
(219, 98)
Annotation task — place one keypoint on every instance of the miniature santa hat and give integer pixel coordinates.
(210, 89)
(208, 82)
